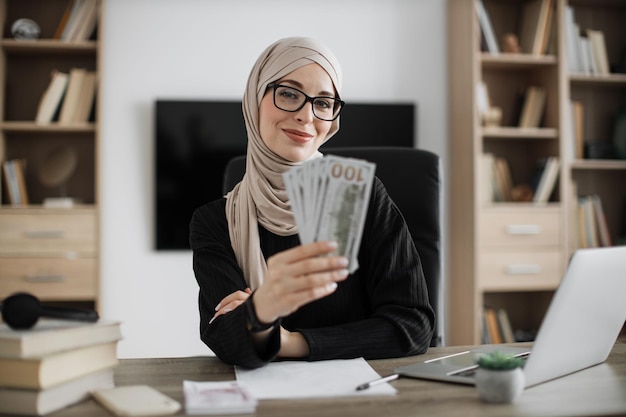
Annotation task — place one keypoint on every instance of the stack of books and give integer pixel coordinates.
(55, 364)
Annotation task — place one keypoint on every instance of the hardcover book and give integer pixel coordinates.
(51, 99)
(51, 336)
(42, 402)
(43, 372)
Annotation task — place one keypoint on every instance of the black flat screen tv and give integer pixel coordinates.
(195, 139)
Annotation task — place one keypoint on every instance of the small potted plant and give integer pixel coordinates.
(499, 377)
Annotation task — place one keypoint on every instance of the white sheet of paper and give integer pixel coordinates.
(300, 379)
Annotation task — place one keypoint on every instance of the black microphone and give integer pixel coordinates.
(22, 310)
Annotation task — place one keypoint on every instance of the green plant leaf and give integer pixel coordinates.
(499, 361)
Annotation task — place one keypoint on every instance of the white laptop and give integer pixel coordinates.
(584, 319)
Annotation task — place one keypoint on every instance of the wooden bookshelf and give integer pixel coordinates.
(50, 252)
(512, 254)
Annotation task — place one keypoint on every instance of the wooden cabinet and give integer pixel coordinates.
(50, 252)
(511, 255)
(519, 249)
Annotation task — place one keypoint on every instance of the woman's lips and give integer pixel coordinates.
(297, 136)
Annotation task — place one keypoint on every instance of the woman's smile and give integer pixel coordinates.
(298, 135)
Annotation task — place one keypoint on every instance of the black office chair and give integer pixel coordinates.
(412, 179)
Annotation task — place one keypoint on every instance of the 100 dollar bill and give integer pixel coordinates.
(329, 197)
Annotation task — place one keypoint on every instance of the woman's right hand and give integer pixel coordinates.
(231, 302)
(296, 277)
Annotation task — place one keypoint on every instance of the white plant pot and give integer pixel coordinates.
(499, 386)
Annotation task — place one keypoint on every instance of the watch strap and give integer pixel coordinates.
(254, 325)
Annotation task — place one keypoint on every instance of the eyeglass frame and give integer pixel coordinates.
(307, 99)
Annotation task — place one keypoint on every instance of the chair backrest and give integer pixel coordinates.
(412, 179)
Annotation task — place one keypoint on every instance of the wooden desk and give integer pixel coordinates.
(600, 390)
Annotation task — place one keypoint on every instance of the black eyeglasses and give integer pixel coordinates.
(292, 100)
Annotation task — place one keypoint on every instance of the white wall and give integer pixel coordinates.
(389, 50)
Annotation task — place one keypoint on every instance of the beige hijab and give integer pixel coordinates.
(260, 197)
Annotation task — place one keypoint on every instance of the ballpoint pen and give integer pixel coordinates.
(376, 382)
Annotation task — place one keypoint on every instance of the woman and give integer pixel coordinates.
(263, 295)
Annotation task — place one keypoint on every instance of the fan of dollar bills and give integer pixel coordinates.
(329, 198)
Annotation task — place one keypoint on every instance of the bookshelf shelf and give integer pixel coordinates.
(51, 46)
(599, 164)
(516, 61)
(527, 286)
(481, 156)
(32, 127)
(519, 133)
(506, 205)
(611, 80)
(39, 209)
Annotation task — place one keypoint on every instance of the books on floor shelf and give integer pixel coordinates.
(13, 171)
(497, 326)
(491, 319)
(593, 229)
(55, 364)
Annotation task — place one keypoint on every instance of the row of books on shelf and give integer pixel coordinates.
(78, 22)
(498, 185)
(55, 364)
(593, 229)
(69, 97)
(586, 47)
(14, 189)
(536, 34)
(496, 328)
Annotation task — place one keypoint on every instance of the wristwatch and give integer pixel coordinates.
(254, 325)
